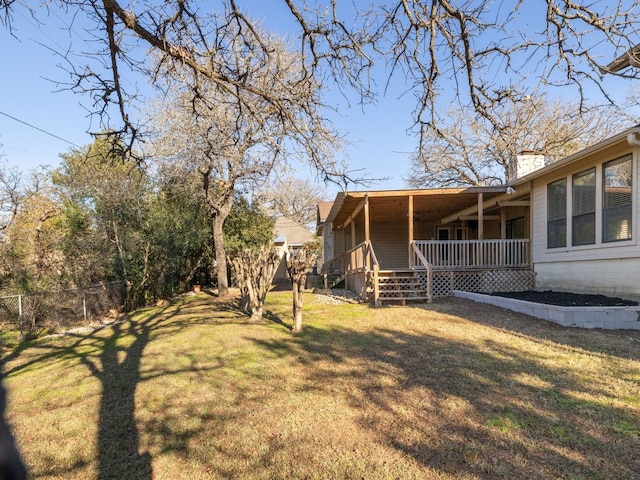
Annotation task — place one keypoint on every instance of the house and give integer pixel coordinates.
(322, 212)
(569, 225)
(289, 234)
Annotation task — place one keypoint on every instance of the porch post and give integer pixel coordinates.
(480, 216)
(367, 237)
(344, 239)
(353, 233)
(410, 214)
(503, 234)
(480, 255)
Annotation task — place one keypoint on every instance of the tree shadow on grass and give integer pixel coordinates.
(113, 355)
(618, 343)
(472, 410)
(274, 318)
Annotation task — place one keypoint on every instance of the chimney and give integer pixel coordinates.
(525, 162)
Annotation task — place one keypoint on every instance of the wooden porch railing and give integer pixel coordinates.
(470, 254)
(360, 258)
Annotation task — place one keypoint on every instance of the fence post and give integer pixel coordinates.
(84, 306)
(20, 321)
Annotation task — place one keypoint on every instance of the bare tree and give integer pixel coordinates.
(233, 139)
(479, 53)
(299, 265)
(11, 196)
(470, 151)
(254, 271)
(294, 198)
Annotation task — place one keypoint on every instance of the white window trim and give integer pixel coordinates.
(599, 182)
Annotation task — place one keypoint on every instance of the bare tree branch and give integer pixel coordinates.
(471, 151)
(480, 53)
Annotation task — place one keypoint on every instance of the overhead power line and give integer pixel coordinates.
(39, 129)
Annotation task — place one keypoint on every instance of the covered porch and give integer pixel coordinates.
(417, 244)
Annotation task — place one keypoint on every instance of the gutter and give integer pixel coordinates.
(631, 136)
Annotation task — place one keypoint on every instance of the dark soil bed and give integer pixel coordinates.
(565, 299)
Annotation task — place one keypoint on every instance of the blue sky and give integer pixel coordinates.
(28, 93)
(379, 142)
(378, 135)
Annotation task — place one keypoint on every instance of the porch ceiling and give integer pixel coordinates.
(428, 205)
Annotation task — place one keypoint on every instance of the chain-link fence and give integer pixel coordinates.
(53, 310)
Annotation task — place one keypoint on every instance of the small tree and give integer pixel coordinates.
(253, 272)
(299, 265)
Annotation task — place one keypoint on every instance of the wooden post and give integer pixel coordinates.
(367, 233)
(480, 227)
(353, 233)
(503, 235)
(410, 215)
(480, 216)
(376, 287)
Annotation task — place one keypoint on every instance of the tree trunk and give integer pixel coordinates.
(221, 255)
(256, 314)
(254, 272)
(298, 297)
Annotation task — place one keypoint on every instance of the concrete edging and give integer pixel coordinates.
(610, 318)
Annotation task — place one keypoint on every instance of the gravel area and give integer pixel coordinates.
(335, 296)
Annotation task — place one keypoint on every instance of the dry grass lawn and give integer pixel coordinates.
(451, 390)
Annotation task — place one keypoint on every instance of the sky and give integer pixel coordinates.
(379, 144)
(31, 93)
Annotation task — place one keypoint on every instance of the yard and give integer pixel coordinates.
(451, 390)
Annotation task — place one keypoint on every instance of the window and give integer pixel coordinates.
(617, 200)
(557, 214)
(601, 196)
(515, 228)
(583, 193)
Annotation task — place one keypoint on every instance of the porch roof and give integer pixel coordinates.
(428, 204)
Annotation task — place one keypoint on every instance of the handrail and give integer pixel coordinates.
(372, 253)
(353, 259)
(428, 268)
(361, 258)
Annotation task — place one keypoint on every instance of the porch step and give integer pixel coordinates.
(400, 286)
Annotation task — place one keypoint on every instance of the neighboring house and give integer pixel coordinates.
(570, 225)
(289, 234)
(322, 213)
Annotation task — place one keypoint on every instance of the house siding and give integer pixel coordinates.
(390, 242)
(619, 277)
(610, 268)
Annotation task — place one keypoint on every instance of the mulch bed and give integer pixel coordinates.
(565, 299)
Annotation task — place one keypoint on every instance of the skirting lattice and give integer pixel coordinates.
(486, 281)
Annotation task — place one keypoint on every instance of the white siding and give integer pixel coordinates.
(603, 267)
(620, 277)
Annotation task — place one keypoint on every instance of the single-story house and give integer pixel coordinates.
(571, 225)
(289, 234)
